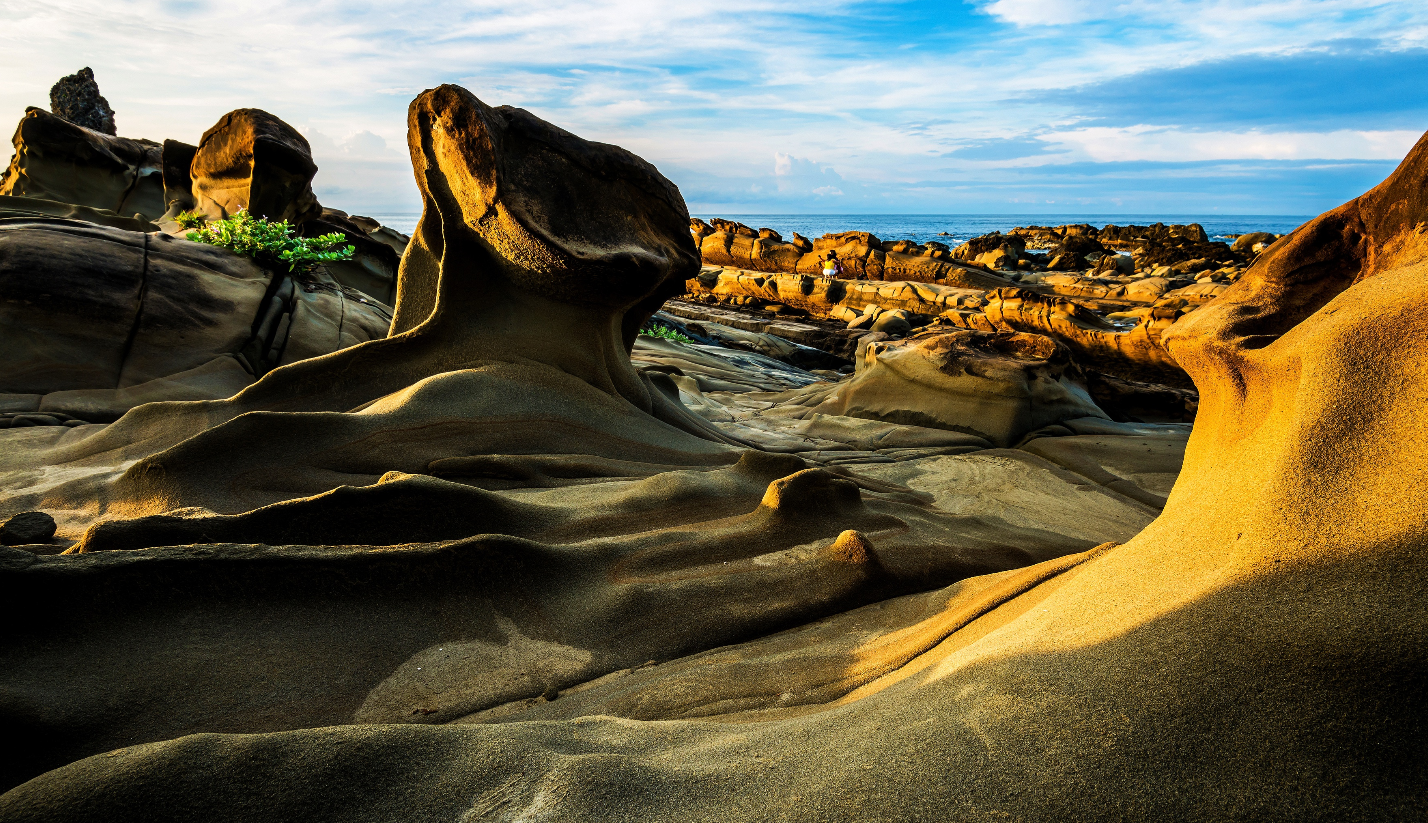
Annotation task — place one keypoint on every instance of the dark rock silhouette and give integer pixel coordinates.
(76, 98)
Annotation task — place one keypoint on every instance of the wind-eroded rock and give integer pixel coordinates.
(487, 506)
(997, 386)
(252, 160)
(57, 160)
(98, 320)
(76, 98)
(1266, 630)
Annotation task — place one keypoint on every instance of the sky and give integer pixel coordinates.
(1163, 107)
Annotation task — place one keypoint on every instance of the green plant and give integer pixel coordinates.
(664, 333)
(271, 243)
(190, 219)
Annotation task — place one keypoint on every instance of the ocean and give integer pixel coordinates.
(924, 227)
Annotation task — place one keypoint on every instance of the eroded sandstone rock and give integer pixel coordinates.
(1266, 630)
(58, 160)
(99, 320)
(487, 506)
(252, 160)
(862, 255)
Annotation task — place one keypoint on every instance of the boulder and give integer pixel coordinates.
(894, 323)
(999, 258)
(27, 528)
(1159, 234)
(1246, 243)
(1186, 256)
(252, 160)
(1078, 246)
(57, 160)
(995, 385)
(76, 98)
(978, 246)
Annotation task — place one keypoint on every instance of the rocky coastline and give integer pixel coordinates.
(568, 506)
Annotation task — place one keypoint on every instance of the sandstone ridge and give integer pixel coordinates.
(480, 569)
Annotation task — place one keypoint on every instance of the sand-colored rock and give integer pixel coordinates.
(1137, 354)
(1257, 652)
(1264, 633)
(862, 255)
(480, 511)
(252, 160)
(995, 386)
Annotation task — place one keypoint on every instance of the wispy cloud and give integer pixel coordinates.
(875, 104)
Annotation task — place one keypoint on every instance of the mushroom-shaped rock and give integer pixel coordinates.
(537, 257)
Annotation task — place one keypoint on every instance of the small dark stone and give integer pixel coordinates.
(76, 98)
(551, 693)
(27, 527)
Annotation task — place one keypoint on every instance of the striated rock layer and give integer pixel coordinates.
(1259, 651)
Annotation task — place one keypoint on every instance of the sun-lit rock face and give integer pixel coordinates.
(997, 386)
(251, 160)
(871, 644)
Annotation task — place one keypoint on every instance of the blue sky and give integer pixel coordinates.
(772, 106)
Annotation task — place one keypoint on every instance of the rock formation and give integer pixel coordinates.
(252, 160)
(76, 98)
(387, 464)
(57, 160)
(387, 559)
(104, 312)
(862, 255)
(98, 320)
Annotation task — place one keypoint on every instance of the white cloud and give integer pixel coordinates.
(1170, 145)
(706, 92)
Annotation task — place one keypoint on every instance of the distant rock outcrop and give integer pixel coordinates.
(861, 255)
(76, 98)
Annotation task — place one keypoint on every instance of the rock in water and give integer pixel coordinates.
(27, 527)
(76, 98)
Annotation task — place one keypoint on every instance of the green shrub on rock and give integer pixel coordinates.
(664, 333)
(271, 243)
(190, 219)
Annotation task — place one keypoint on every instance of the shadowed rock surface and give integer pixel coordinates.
(57, 160)
(98, 320)
(976, 634)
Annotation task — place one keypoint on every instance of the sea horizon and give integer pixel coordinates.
(959, 227)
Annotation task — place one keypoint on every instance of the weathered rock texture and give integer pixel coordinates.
(252, 160)
(1135, 353)
(812, 629)
(57, 160)
(487, 506)
(98, 320)
(76, 98)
